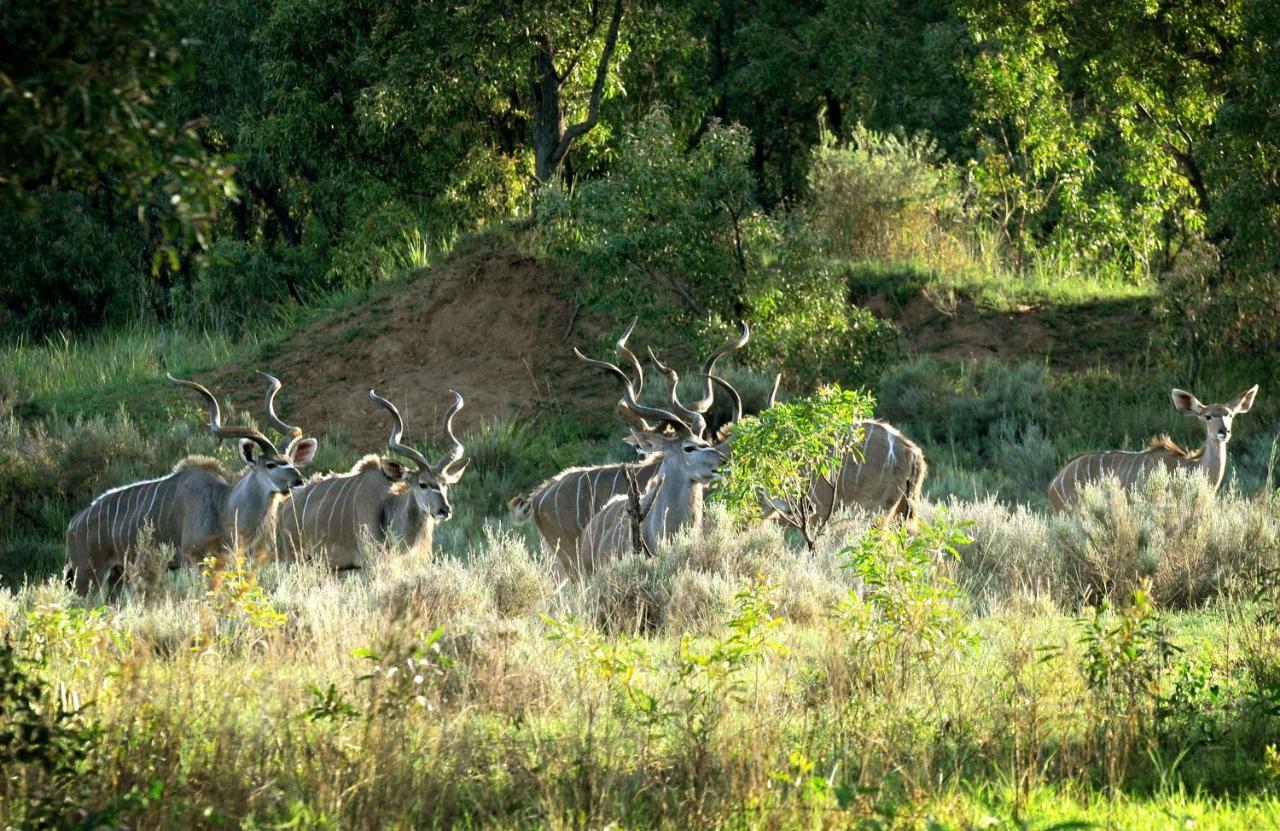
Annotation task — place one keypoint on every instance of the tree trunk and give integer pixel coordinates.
(552, 136)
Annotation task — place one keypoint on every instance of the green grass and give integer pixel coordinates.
(995, 289)
(99, 374)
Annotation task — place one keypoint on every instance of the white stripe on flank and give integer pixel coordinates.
(127, 514)
(328, 526)
(162, 511)
(111, 529)
(155, 491)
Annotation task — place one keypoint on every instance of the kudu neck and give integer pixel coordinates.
(407, 521)
(250, 507)
(1213, 461)
(677, 504)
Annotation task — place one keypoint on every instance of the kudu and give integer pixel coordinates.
(379, 502)
(199, 508)
(562, 506)
(883, 473)
(1130, 466)
(672, 500)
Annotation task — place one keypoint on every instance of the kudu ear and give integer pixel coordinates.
(646, 442)
(452, 473)
(247, 447)
(1186, 403)
(391, 469)
(304, 451)
(1242, 402)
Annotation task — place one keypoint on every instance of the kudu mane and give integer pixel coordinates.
(1165, 442)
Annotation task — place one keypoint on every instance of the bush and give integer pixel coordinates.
(1172, 530)
(887, 198)
(68, 267)
(236, 289)
(677, 237)
(780, 452)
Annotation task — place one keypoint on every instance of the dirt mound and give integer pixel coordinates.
(488, 322)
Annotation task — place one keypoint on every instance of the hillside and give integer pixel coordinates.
(489, 322)
(495, 324)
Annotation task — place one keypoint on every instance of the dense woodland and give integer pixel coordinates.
(221, 163)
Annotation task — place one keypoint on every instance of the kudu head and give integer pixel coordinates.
(428, 483)
(1217, 417)
(685, 453)
(274, 471)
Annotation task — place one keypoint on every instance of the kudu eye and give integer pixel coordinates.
(271, 465)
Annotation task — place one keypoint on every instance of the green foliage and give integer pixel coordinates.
(1093, 123)
(70, 265)
(80, 103)
(883, 198)
(678, 238)
(779, 453)
(45, 743)
(664, 233)
(1123, 658)
(240, 605)
(908, 608)
(407, 669)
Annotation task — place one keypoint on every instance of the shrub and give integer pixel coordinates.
(234, 290)
(68, 267)
(1172, 530)
(676, 236)
(780, 452)
(519, 581)
(887, 198)
(1009, 556)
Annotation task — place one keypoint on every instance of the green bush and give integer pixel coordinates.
(883, 197)
(780, 452)
(69, 266)
(678, 238)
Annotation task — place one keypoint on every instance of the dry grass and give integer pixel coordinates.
(729, 681)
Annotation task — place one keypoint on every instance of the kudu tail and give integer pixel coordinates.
(914, 492)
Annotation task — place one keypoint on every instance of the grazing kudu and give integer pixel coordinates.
(672, 500)
(199, 508)
(1130, 466)
(561, 506)
(379, 502)
(883, 473)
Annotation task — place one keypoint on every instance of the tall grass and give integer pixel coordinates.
(60, 371)
(733, 681)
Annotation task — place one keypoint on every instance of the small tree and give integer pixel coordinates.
(783, 454)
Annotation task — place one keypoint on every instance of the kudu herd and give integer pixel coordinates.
(585, 516)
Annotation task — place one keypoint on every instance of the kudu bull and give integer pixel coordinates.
(1130, 466)
(672, 499)
(379, 502)
(199, 508)
(562, 506)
